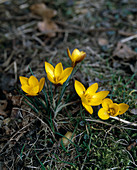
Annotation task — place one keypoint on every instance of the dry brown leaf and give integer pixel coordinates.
(123, 52)
(7, 130)
(3, 113)
(47, 25)
(38, 9)
(43, 11)
(3, 106)
(132, 145)
(102, 41)
(16, 100)
(68, 137)
(16, 113)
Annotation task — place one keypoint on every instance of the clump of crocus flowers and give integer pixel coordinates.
(89, 97)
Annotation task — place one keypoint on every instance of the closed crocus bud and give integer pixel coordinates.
(76, 56)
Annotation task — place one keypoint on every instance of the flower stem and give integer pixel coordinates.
(54, 91)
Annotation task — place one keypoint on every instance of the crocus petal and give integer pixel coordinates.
(92, 89)
(80, 57)
(58, 70)
(69, 54)
(103, 114)
(80, 89)
(33, 81)
(123, 108)
(88, 108)
(34, 90)
(49, 69)
(23, 80)
(85, 100)
(101, 94)
(41, 83)
(32, 94)
(95, 101)
(50, 78)
(106, 102)
(65, 74)
(26, 88)
(75, 54)
(29, 90)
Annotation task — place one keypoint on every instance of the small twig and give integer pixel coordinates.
(7, 62)
(89, 30)
(129, 38)
(98, 121)
(124, 121)
(15, 70)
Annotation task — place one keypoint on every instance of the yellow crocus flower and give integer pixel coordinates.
(31, 85)
(57, 75)
(111, 109)
(89, 97)
(76, 56)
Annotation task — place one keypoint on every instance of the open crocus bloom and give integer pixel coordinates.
(76, 56)
(57, 75)
(89, 97)
(111, 109)
(31, 85)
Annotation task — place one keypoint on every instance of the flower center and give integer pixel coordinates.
(56, 78)
(111, 111)
(88, 97)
